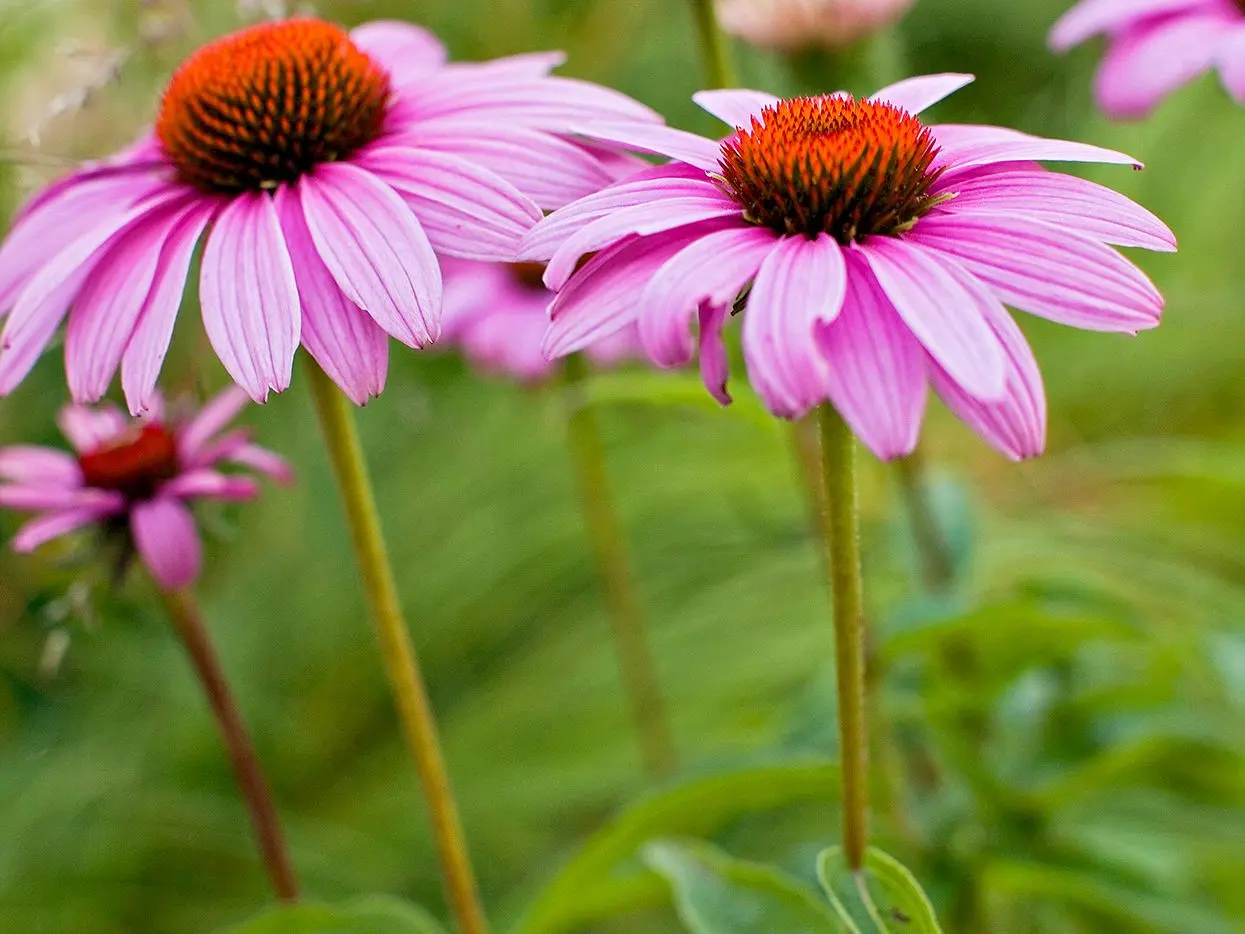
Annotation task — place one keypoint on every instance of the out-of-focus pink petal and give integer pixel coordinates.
(88, 429)
(525, 65)
(946, 311)
(874, 367)
(212, 418)
(1144, 65)
(211, 484)
(712, 270)
(29, 465)
(408, 52)
(714, 360)
(263, 461)
(249, 296)
(375, 249)
(167, 541)
(657, 140)
(1047, 271)
(916, 94)
(1091, 17)
(736, 107)
(342, 338)
(39, 498)
(1232, 62)
(800, 282)
(53, 525)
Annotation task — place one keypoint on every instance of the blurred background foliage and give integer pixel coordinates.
(1061, 734)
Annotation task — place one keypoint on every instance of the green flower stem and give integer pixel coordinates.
(842, 525)
(188, 622)
(713, 45)
(937, 567)
(341, 437)
(604, 530)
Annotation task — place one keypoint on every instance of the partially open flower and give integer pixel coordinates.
(868, 254)
(136, 476)
(327, 172)
(797, 24)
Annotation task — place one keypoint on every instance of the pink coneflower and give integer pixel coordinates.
(797, 24)
(329, 170)
(497, 314)
(871, 256)
(1156, 46)
(136, 476)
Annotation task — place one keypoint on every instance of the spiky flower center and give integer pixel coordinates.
(267, 104)
(832, 164)
(135, 463)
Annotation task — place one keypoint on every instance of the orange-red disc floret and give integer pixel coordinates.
(834, 165)
(135, 464)
(267, 104)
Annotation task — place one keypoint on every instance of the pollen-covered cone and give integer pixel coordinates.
(872, 256)
(796, 24)
(1156, 46)
(327, 173)
(139, 475)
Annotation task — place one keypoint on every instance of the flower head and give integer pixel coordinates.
(136, 476)
(869, 255)
(793, 24)
(1156, 46)
(327, 172)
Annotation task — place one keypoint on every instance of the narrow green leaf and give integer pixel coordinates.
(372, 914)
(885, 899)
(717, 894)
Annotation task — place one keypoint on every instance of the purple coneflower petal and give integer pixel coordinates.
(1144, 65)
(202, 482)
(375, 249)
(1099, 16)
(167, 541)
(874, 368)
(341, 336)
(39, 498)
(212, 418)
(736, 107)
(711, 269)
(523, 65)
(917, 94)
(551, 103)
(799, 283)
(1016, 424)
(1232, 63)
(249, 296)
(45, 528)
(406, 51)
(1047, 271)
(714, 360)
(987, 145)
(263, 461)
(1065, 201)
(944, 308)
(467, 211)
(658, 140)
(144, 355)
(30, 465)
(87, 429)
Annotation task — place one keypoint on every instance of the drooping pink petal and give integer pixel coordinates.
(375, 249)
(53, 525)
(917, 94)
(88, 429)
(1231, 62)
(800, 283)
(603, 297)
(144, 356)
(711, 270)
(963, 148)
(1064, 201)
(874, 368)
(167, 541)
(263, 461)
(1047, 271)
(1092, 17)
(947, 312)
(211, 484)
(1016, 424)
(467, 211)
(342, 338)
(1145, 64)
(41, 497)
(736, 107)
(210, 420)
(714, 360)
(408, 52)
(657, 140)
(29, 465)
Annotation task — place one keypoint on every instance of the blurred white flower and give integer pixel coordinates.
(792, 24)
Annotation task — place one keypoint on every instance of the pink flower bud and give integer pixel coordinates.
(792, 24)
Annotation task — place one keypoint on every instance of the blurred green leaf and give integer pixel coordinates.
(373, 914)
(717, 894)
(900, 907)
(678, 389)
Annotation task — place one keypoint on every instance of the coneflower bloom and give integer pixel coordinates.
(497, 315)
(797, 24)
(326, 172)
(1156, 46)
(136, 477)
(871, 257)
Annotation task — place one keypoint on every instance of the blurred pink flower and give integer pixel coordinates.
(136, 474)
(871, 256)
(796, 24)
(329, 171)
(1156, 46)
(497, 313)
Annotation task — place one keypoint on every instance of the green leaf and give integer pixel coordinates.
(717, 894)
(372, 914)
(590, 886)
(885, 899)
